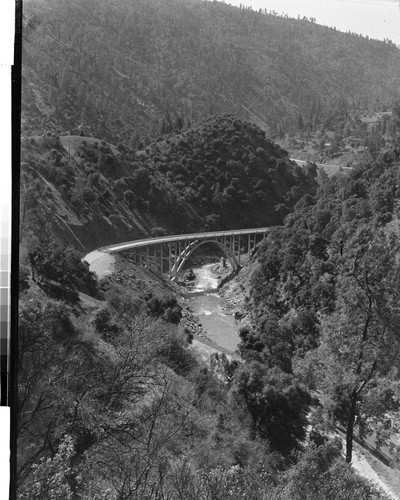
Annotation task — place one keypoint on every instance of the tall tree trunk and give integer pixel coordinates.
(350, 426)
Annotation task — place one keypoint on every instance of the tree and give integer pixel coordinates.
(44, 334)
(64, 266)
(50, 477)
(360, 341)
(272, 344)
(166, 308)
(396, 112)
(105, 325)
(93, 414)
(78, 203)
(130, 198)
(277, 404)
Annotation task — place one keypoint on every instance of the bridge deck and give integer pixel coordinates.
(119, 247)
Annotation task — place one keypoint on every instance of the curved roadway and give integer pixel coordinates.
(119, 247)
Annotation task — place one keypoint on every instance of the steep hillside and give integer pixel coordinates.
(301, 262)
(222, 174)
(321, 302)
(127, 71)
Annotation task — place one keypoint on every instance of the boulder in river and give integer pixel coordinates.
(189, 275)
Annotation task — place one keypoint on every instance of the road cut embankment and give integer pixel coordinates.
(101, 263)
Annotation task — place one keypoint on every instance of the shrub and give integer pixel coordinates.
(130, 198)
(158, 231)
(88, 195)
(104, 324)
(166, 308)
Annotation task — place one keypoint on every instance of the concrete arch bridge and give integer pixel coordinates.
(168, 254)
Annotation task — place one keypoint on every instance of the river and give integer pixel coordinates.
(208, 305)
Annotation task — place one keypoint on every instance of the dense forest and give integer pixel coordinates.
(325, 298)
(150, 117)
(131, 70)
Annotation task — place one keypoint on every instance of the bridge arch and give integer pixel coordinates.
(168, 254)
(192, 247)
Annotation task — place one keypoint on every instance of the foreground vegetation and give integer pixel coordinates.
(112, 404)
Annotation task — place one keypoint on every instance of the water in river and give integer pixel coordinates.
(209, 306)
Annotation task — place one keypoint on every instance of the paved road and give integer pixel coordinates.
(320, 165)
(70, 142)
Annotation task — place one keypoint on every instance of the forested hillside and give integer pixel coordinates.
(127, 71)
(221, 174)
(325, 301)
